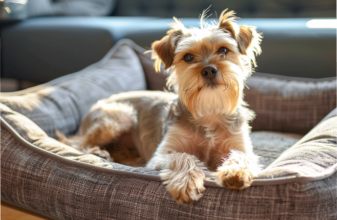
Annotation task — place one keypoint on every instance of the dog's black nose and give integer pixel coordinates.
(209, 71)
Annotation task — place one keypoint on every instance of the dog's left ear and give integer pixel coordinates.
(247, 38)
(163, 50)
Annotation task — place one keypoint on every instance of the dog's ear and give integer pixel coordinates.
(246, 36)
(163, 50)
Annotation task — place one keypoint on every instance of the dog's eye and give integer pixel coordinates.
(188, 57)
(223, 50)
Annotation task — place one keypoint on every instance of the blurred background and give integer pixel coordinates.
(45, 39)
(183, 8)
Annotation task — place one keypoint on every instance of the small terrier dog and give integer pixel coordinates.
(202, 129)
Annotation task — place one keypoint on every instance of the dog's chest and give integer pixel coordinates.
(208, 144)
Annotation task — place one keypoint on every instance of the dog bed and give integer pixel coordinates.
(42, 175)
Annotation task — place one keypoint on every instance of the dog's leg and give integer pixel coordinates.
(182, 173)
(105, 122)
(183, 176)
(240, 167)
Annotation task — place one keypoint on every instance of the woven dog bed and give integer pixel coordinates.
(42, 175)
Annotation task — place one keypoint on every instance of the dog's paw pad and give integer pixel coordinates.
(235, 178)
(186, 190)
(236, 182)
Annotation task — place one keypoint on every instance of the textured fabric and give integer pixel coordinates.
(270, 145)
(61, 188)
(286, 105)
(331, 114)
(154, 80)
(264, 144)
(35, 135)
(40, 174)
(315, 153)
(61, 104)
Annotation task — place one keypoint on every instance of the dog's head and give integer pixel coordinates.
(209, 64)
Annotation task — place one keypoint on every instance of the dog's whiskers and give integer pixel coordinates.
(227, 83)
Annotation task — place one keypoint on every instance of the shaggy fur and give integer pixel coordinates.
(204, 127)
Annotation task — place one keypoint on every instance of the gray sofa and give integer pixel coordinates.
(43, 48)
(42, 175)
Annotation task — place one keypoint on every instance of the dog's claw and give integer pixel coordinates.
(198, 191)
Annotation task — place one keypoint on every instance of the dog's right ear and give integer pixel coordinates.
(163, 50)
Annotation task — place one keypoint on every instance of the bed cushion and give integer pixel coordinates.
(40, 174)
(289, 104)
(44, 176)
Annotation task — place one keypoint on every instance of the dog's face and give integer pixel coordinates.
(209, 64)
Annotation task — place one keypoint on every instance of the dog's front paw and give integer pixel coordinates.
(185, 187)
(100, 153)
(238, 172)
(234, 177)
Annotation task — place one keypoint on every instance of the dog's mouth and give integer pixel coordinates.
(211, 84)
(214, 83)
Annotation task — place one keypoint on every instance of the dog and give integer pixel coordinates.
(204, 128)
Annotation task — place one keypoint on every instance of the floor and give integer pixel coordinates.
(9, 212)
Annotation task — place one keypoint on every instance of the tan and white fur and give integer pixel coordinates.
(202, 129)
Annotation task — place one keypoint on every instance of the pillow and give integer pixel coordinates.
(154, 80)
(62, 103)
